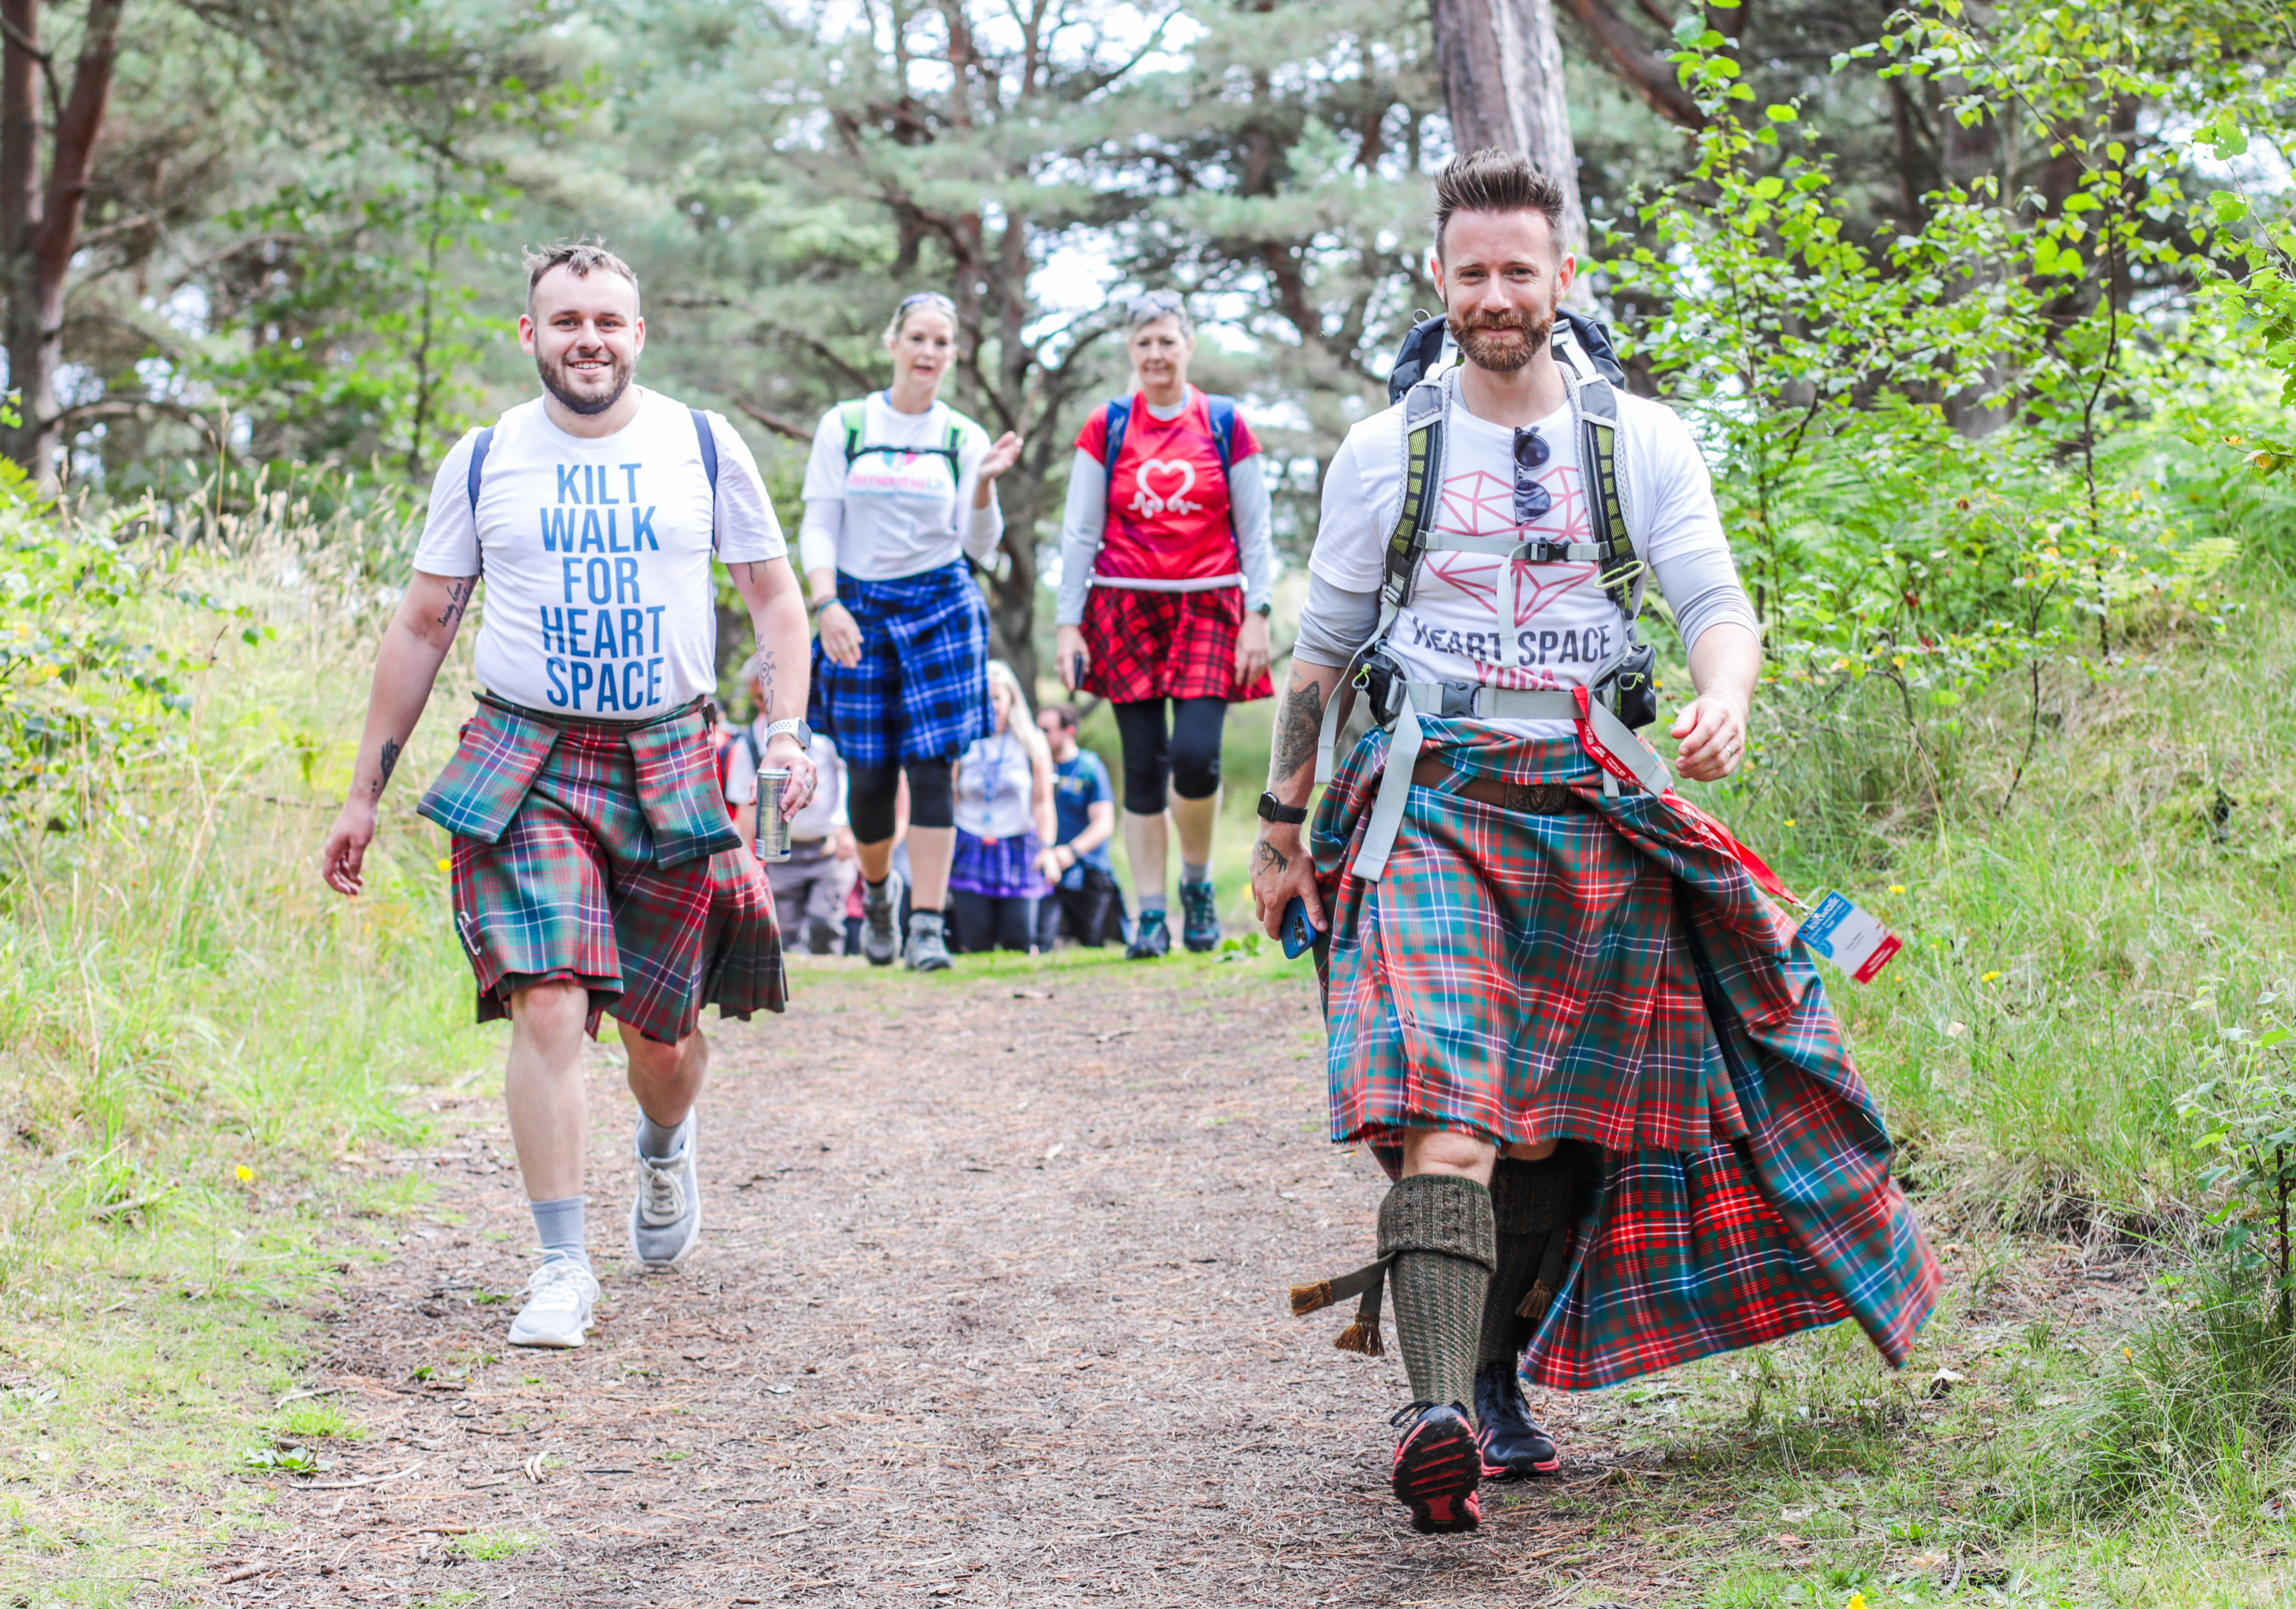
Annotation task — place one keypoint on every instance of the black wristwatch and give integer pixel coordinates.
(1272, 809)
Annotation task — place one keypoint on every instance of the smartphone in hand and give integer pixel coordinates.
(1299, 935)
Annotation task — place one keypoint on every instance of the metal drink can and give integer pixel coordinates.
(773, 831)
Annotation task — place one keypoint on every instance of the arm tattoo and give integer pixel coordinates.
(1299, 725)
(765, 681)
(392, 749)
(1266, 855)
(458, 595)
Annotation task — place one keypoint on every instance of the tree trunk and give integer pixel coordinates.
(1502, 70)
(39, 230)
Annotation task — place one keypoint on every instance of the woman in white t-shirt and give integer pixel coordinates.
(899, 493)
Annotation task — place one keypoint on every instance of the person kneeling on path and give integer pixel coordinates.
(594, 870)
(1084, 810)
(810, 886)
(899, 493)
(1003, 790)
(1623, 1127)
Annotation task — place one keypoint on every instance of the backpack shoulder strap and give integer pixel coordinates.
(479, 466)
(1119, 415)
(1423, 479)
(1622, 573)
(854, 416)
(708, 439)
(1223, 415)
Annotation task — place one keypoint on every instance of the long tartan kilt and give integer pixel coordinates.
(1610, 975)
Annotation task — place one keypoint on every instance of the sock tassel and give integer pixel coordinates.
(1369, 1283)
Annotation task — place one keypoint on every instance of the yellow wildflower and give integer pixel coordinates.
(1988, 977)
(446, 863)
(1897, 888)
(246, 1174)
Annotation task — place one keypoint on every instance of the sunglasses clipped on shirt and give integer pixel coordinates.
(1532, 499)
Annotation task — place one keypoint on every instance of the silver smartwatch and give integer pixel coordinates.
(795, 728)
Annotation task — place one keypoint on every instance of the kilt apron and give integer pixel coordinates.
(600, 853)
(1608, 975)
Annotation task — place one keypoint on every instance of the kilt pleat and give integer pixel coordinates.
(1609, 974)
(920, 690)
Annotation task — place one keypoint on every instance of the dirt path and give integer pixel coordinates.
(990, 1310)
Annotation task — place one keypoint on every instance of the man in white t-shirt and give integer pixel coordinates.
(594, 868)
(810, 886)
(1623, 1128)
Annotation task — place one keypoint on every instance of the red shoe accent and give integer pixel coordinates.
(1437, 1464)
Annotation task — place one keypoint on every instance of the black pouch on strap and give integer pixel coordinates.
(1628, 684)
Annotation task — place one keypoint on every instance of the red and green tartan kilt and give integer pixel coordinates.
(571, 890)
(1166, 645)
(1609, 975)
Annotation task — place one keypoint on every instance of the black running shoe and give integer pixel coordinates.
(1437, 1466)
(1514, 1449)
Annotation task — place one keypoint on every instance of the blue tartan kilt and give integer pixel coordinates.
(920, 691)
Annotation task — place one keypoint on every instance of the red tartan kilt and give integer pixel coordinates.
(1166, 645)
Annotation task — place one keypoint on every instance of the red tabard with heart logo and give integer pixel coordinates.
(1167, 507)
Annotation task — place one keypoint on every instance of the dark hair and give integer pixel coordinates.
(580, 257)
(1493, 180)
(1066, 713)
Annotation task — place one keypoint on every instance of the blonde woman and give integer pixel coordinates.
(900, 491)
(1004, 821)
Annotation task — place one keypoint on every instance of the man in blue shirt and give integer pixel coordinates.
(1077, 864)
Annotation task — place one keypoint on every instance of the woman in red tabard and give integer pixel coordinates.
(1166, 574)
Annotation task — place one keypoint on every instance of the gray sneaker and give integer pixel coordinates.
(880, 938)
(666, 1219)
(559, 1300)
(928, 943)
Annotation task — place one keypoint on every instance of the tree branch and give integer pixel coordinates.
(1647, 73)
(774, 421)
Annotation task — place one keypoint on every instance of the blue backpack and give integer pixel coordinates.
(701, 430)
(1223, 413)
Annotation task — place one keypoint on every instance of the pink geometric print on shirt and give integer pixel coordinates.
(1535, 586)
(1480, 504)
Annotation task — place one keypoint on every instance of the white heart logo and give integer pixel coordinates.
(1146, 502)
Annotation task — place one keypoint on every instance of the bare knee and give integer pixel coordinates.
(1447, 1151)
(654, 1059)
(1538, 1152)
(552, 1010)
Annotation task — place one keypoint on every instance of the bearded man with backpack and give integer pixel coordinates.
(1622, 1126)
(594, 870)
(1168, 574)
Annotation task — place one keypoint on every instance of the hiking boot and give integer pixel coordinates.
(1150, 938)
(666, 1219)
(1514, 1449)
(1437, 1465)
(928, 943)
(1200, 916)
(881, 938)
(560, 1299)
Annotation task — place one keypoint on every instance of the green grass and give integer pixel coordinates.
(207, 1057)
(495, 1544)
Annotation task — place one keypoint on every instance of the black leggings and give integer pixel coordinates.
(1190, 757)
(987, 922)
(873, 790)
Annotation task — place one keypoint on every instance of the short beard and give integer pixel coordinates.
(1502, 359)
(573, 402)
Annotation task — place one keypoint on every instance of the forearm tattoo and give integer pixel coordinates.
(765, 667)
(1299, 725)
(391, 750)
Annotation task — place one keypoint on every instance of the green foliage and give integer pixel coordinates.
(2250, 1110)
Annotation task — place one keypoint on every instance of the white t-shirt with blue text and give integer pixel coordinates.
(599, 599)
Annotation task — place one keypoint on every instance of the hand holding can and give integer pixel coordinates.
(773, 830)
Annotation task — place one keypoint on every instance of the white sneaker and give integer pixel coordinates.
(560, 1299)
(666, 1219)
